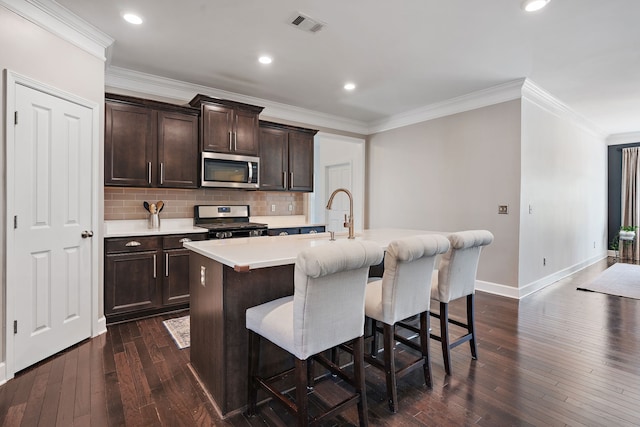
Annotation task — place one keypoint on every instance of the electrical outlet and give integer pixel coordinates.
(290, 207)
(503, 209)
(273, 208)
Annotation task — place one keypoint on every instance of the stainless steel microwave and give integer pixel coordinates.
(230, 171)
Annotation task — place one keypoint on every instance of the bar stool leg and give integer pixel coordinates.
(390, 366)
(254, 357)
(358, 370)
(302, 398)
(424, 345)
(373, 351)
(471, 325)
(444, 336)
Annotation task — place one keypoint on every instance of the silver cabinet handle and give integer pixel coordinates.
(86, 234)
(290, 179)
(161, 173)
(166, 265)
(230, 139)
(283, 233)
(154, 266)
(149, 167)
(133, 243)
(184, 240)
(235, 141)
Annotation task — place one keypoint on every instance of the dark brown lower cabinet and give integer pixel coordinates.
(146, 276)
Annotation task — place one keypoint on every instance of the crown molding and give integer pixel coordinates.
(623, 138)
(482, 98)
(150, 84)
(54, 18)
(545, 100)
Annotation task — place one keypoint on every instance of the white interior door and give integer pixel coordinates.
(337, 176)
(51, 263)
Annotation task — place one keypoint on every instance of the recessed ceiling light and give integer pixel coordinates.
(350, 86)
(533, 5)
(265, 59)
(132, 18)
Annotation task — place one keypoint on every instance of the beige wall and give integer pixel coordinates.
(451, 174)
(564, 180)
(27, 49)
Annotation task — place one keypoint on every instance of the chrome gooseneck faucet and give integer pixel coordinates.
(348, 222)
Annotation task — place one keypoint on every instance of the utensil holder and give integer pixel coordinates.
(154, 220)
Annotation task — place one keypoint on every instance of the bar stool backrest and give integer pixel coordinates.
(328, 301)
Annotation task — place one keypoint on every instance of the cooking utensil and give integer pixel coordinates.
(152, 208)
(146, 205)
(160, 205)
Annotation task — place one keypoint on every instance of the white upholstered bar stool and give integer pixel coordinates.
(456, 278)
(327, 309)
(404, 291)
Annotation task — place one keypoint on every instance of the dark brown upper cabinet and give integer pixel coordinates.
(286, 157)
(149, 143)
(228, 126)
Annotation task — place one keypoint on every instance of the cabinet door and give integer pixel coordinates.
(175, 283)
(129, 145)
(245, 140)
(273, 159)
(300, 161)
(177, 150)
(131, 282)
(217, 128)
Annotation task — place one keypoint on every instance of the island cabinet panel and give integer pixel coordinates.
(149, 143)
(219, 339)
(227, 126)
(175, 282)
(286, 157)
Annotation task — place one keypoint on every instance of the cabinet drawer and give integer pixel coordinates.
(131, 244)
(176, 241)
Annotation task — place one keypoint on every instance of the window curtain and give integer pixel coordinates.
(630, 199)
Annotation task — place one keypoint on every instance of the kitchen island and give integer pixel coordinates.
(229, 276)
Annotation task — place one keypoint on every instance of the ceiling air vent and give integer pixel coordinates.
(306, 23)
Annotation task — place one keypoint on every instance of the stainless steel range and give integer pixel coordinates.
(227, 221)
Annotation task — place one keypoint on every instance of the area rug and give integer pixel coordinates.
(179, 328)
(620, 279)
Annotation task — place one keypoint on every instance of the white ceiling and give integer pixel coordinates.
(402, 55)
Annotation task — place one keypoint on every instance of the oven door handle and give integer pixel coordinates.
(250, 166)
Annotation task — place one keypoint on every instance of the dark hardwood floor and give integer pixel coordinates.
(557, 357)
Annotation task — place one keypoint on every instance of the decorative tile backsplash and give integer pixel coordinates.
(126, 203)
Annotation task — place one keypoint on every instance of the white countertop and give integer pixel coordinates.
(269, 251)
(140, 227)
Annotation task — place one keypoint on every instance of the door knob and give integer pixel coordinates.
(86, 234)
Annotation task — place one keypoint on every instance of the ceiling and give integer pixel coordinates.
(402, 55)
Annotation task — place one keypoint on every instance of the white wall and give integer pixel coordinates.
(564, 179)
(451, 174)
(34, 52)
(331, 149)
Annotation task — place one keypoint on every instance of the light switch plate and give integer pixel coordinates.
(503, 209)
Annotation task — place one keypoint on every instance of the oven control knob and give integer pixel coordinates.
(220, 235)
(227, 234)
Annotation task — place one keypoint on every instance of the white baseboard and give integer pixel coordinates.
(518, 293)
(100, 326)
